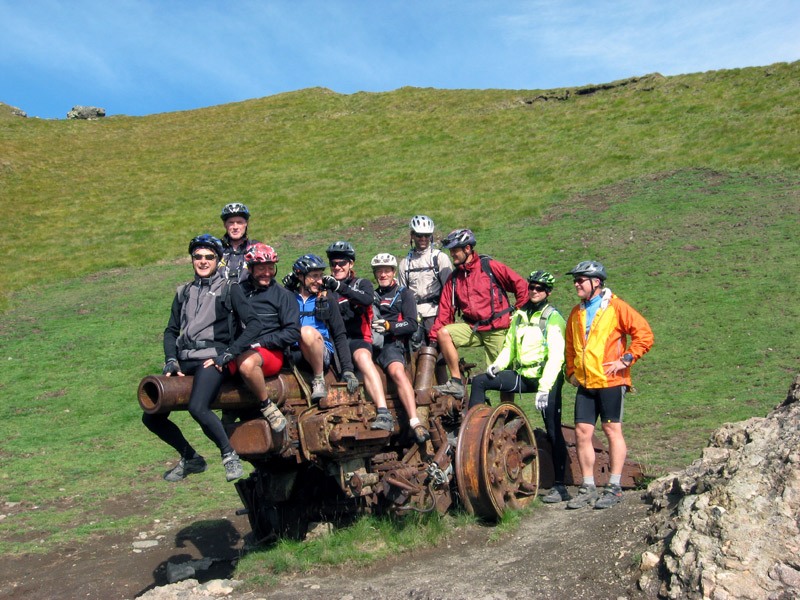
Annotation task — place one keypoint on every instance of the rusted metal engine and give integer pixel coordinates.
(329, 465)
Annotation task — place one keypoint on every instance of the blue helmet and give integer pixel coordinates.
(206, 241)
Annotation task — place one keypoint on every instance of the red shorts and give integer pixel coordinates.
(271, 362)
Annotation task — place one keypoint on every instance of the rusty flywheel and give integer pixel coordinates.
(497, 463)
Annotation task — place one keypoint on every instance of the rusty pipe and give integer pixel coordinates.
(423, 381)
(160, 394)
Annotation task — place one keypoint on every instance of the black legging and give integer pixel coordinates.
(204, 391)
(511, 381)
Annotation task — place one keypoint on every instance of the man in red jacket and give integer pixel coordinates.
(477, 289)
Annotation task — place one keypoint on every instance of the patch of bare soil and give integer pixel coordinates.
(555, 553)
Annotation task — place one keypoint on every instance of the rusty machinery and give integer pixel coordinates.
(329, 465)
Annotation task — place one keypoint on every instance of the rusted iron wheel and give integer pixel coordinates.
(497, 463)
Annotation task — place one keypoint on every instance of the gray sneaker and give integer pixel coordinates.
(318, 388)
(587, 494)
(233, 466)
(558, 493)
(273, 415)
(186, 467)
(384, 421)
(451, 387)
(612, 494)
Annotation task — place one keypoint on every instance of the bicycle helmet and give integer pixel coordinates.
(260, 253)
(543, 277)
(306, 263)
(589, 268)
(235, 209)
(341, 249)
(459, 238)
(421, 225)
(384, 260)
(206, 241)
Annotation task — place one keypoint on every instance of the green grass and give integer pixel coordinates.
(687, 192)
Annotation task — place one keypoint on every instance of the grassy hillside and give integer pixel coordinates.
(127, 191)
(687, 188)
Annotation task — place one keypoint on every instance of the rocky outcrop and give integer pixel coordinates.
(728, 525)
(86, 112)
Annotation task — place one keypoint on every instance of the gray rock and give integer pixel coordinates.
(726, 526)
(86, 112)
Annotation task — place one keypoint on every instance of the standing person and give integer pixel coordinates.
(236, 219)
(201, 340)
(356, 296)
(599, 359)
(280, 328)
(534, 348)
(477, 289)
(396, 323)
(322, 334)
(424, 271)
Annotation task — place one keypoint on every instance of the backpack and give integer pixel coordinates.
(486, 267)
(435, 254)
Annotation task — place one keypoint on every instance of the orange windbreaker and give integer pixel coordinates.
(607, 341)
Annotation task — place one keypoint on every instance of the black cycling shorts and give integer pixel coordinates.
(388, 354)
(607, 403)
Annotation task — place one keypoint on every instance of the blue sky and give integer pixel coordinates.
(142, 57)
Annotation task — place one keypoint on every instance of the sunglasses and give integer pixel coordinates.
(535, 287)
(198, 256)
(339, 263)
(580, 280)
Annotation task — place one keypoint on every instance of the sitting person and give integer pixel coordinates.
(280, 328)
(200, 340)
(356, 296)
(322, 334)
(534, 349)
(396, 323)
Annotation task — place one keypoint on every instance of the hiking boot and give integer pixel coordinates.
(421, 434)
(612, 494)
(558, 493)
(273, 415)
(186, 467)
(233, 466)
(384, 421)
(587, 494)
(451, 387)
(318, 388)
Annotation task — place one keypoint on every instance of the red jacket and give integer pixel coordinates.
(473, 295)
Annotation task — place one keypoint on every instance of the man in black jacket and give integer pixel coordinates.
(200, 340)
(280, 328)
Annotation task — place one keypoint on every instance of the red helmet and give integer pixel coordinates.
(260, 253)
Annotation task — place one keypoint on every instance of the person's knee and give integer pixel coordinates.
(584, 432)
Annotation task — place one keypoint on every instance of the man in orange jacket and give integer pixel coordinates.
(598, 361)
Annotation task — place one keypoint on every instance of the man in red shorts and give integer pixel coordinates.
(279, 314)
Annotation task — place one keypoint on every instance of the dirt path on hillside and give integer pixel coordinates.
(555, 553)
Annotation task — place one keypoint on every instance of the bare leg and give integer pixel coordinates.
(617, 448)
(397, 372)
(313, 348)
(583, 436)
(250, 369)
(372, 379)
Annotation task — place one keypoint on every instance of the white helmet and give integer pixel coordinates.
(422, 225)
(384, 260)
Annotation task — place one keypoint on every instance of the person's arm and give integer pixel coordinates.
(555, 352)
(570, 345)
(511, 282)
(248, 317)
(447, 311)
(406, 323)
(288, 332)
(172, 331)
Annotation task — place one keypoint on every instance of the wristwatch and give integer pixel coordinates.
(627, 358)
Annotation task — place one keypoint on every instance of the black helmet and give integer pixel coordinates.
(589, 268)
(341, 249)
(235, 209)
(206, 241)
(543, 277)
(459, 238)
(306, 263)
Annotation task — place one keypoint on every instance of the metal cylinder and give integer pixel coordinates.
(423, 382)
(160, 394)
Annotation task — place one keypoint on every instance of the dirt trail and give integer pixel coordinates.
(555, 553)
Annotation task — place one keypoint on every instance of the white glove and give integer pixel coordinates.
(492, 371)
(541, 400)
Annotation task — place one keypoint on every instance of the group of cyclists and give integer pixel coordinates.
(235, 317)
